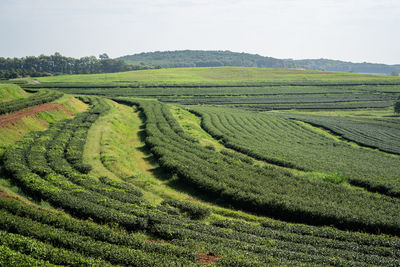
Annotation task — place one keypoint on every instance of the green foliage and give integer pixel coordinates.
(11, 68)
(195, 211)
(9, 257)
(40, 250)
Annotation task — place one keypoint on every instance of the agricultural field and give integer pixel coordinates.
(200, 167)
(223, 75)
(380, 133)
(291, 144)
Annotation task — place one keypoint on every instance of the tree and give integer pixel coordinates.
(103, 56)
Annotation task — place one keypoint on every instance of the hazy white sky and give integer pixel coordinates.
(351, 30)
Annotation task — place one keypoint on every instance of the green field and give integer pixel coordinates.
(380, 132)
(295, 145)
(202, 166)
(224, 75)
(248, 88)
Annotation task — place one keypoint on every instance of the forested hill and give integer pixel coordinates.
(198, 58)
(57, 64)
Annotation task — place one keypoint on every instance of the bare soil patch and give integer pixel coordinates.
(5, 195)
(16, 116)
(207, 258)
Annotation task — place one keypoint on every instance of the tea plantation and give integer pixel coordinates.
(203, 166)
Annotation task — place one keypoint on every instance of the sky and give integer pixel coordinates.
(349, 30)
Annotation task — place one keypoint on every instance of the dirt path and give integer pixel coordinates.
(14, 117)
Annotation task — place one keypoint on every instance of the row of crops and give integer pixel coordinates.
(381, 133)
(249, 96)
(318, 106)
(224, 91)
(288, 143)
(38, 98)
(264, 190)
(107, 213)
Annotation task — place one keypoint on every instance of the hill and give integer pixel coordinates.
(199, 58)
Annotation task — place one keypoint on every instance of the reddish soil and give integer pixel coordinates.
(16, 116)
(207, 258)
(5, 195)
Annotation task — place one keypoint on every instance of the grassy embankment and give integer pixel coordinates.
(10, 92)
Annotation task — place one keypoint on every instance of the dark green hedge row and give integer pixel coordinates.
(194, 211)
(289, 255)
(43, 251)
(9, 257)
(86, 245)
(95, 231)
(322, 238)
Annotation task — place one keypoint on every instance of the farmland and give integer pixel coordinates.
(381, 133)
(203, 166)
(294, 145)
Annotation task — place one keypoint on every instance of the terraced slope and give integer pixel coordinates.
(10, 92)
(41, 97)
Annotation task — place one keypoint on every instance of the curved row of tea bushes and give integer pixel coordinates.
(38, 98)
(40, 250)
(38, 164)
(68, 240)
(284, 142)
(236, 237)
(267, 191)
(108, 235)
(381, 133)
(9, 257)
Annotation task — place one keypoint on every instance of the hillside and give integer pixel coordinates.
(198, 58)
(139, 174)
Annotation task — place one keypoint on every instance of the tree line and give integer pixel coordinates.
(57, 64)
(200, 58)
